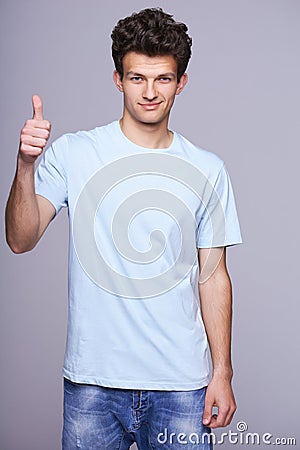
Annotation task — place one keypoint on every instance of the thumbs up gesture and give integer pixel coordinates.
(34, 134)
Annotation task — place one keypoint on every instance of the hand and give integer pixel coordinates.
(219, 393)
(34, 134)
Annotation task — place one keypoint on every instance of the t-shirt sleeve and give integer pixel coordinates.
(219, 223)
(50, 178)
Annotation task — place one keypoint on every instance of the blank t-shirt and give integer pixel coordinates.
(137, 218)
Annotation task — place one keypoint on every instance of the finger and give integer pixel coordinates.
(33, 123)
(34, 141)
(37, 106)
(207, 414)
(214, 421)
(223, 418)
(219, 420)
(229, 416)
(36, 132)
(30, 150)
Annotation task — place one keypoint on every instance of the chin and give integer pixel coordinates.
(150, 121)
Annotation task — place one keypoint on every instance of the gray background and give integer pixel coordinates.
(242, 102)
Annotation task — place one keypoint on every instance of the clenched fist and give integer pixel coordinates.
(34, 134)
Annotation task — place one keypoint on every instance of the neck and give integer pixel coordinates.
(147, 135)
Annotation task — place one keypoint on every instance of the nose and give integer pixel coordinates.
(150, 92)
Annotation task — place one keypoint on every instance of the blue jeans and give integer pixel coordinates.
(97, 417)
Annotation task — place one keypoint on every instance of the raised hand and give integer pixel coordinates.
(34, 134)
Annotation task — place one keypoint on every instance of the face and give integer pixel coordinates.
(149, 86)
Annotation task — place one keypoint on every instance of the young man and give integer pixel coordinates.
(150, 214)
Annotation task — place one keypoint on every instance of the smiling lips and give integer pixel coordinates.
(150, 106)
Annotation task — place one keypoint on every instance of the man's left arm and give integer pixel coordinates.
(216, 308)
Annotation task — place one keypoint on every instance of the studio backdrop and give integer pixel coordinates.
(242, 103)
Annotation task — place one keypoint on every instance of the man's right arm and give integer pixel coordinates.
(27, 214)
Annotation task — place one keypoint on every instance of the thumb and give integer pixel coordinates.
(37, 106)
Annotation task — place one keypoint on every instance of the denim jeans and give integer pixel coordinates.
(97, 417)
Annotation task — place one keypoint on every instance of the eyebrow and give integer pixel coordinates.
(163, 75)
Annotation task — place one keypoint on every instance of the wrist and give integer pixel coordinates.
(224, 373)
(24, 165)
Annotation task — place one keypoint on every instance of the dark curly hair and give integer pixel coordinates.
(151, 32)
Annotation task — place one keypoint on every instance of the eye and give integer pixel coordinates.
(165, 79)
(136, 79)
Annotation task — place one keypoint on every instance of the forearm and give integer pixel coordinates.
(22, 213)
(216, 308)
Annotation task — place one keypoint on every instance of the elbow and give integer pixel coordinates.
(20, 242)
(18, 248)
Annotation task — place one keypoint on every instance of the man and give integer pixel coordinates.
(150, 216)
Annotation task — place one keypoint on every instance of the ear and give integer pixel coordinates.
(118, 80)
(181, 83)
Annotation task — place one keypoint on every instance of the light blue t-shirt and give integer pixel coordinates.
(137, 218)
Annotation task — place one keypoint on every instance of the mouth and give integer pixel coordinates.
(150, 106)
